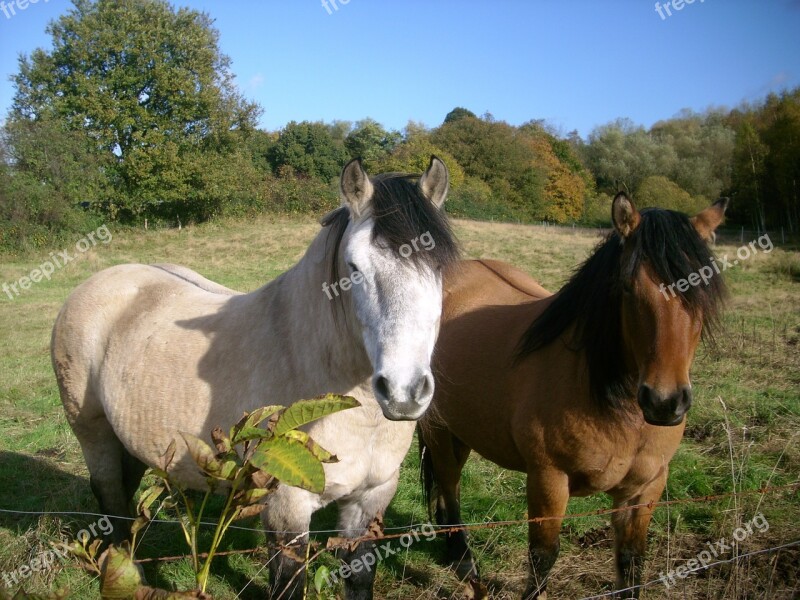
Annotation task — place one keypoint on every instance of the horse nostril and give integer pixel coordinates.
(382, 386)
(686, 398)
(645, 396)
(422, 388)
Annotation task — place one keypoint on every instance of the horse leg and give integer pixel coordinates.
(287, 518)
(106, 460)
(630, 533)
(548, 494)
(355, 516)
(447, 456)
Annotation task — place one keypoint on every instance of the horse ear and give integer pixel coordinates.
(435, 182)
(355, 187)
(707, 220)
(624, 215)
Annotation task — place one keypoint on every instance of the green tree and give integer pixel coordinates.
(782, 163)
(414, 155)
(659, 191)
(622, 155)
(309, 149)
(703, 146)
(49, 183)
(459, 113)
(527, 168)
(370, 141)
(749, 172)
(148, 86)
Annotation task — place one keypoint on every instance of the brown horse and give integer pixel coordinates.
(585, 391)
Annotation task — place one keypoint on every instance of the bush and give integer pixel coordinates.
(301, 195)
(660, 191)
(33, 215)
(474, 200)
(597, 211)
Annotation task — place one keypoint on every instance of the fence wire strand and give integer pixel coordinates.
(399, 532)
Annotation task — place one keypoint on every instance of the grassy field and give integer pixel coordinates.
(743, 433)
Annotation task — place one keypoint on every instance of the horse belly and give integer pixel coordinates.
(591, 480)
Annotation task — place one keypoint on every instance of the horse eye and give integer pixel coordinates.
(353, 268)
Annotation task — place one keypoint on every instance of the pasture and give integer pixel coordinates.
(742, 434)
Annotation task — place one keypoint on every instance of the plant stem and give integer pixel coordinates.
(222, 526)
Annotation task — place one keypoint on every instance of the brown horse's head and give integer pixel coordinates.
(669, 290)
(638, 307)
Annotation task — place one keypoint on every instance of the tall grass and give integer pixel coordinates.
(741, 434)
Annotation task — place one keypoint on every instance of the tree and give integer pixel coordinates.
(48, 179)
(148, 87)
(308, 149)
(703, 146)
(749, 172)
(414, 155)
(520, 164)
(370, 141)
(659, 191)
(622, 155)
(782, 163)
(459, 113)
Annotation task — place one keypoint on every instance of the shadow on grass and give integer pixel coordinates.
(36, 484)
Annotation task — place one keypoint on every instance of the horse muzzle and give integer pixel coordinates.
(664, 410)
(403, 400)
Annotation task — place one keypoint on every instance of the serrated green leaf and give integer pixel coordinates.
(149, 496)
(251, 496)
(119, 576)
(166, 459)
(290, 462)
(251, 433)
(139, 523)
(306, 411)
(317, 450)
(202, 454)
(159, 473)
(228, 470)
(251, 420)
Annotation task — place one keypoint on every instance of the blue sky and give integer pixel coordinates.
(575, 63)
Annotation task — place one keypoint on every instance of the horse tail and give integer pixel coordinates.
(426, 474)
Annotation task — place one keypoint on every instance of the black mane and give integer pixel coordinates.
(401, 213)
(591, 300)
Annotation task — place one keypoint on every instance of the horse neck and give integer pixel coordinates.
(294, 314)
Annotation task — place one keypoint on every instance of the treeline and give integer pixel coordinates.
(133, 115)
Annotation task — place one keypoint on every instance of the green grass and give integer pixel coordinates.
(743, 431)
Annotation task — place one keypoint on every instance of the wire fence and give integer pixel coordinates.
(396, 533)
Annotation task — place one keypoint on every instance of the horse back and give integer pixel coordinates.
(112, 301)
(471, 284)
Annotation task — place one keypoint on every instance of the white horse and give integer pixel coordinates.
(143, 352)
